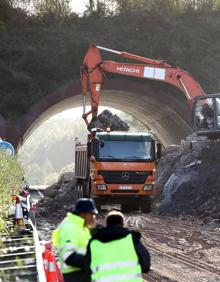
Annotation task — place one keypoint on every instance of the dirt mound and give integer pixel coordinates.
(188, 180)
(58, 198)
(107, 120)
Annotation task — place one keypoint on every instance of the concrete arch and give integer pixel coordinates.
(167, 116)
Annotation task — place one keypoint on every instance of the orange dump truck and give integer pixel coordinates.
(117, 168)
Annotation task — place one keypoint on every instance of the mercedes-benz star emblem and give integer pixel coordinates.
(125, 175)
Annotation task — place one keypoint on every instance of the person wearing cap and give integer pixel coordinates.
(208, 116)
(115, 253)
(71, 239)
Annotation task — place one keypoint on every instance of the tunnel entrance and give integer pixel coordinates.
(48, 151)
(161, 112)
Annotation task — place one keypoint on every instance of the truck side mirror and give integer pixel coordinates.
(92, 159)
(159, 150)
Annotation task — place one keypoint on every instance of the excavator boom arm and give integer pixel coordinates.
(93, 69)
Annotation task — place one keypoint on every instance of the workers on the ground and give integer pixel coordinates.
(72, 237)
(115, 253)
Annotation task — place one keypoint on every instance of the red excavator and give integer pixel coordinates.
(205, 108)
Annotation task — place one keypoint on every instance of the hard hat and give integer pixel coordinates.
(85, 205)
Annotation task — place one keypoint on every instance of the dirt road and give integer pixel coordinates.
(182, 250)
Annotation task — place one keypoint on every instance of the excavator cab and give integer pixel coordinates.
(206, 115)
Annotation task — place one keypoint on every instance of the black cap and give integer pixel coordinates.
(85, 205)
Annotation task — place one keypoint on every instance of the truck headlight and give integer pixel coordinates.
(101, 187)
(148, 187)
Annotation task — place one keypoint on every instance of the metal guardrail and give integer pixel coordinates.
(21, 256)
(38, 252)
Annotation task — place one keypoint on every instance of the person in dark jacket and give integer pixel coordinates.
(115, 253)
(208, 116)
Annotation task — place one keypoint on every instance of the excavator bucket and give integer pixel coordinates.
(206, 115)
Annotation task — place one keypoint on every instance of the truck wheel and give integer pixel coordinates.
(87, 189)
(129, 206)
(79, 191)
(125, 207)
(98, 204)
(146, 205)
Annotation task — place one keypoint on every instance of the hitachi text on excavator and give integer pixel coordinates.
(92, 74)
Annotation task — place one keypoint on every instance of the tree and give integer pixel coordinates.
(11, 174)
(53, 9)
(101, 8)
(91, 6)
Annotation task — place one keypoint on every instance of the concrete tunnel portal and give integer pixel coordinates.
(164, 114)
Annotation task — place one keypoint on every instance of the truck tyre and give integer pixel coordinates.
(98, 204)
(87, 191)
(125, 207)
(146, 205)
(84, 184)
(79, 189)
(130, 206)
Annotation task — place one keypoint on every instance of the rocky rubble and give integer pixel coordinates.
(188, 180)
(107, 119)
(58, 198)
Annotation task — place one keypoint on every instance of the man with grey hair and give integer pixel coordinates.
(115, 253)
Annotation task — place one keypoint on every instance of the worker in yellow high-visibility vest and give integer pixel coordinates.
(116, 254)
(71, 239)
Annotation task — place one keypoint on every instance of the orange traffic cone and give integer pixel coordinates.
(19, 219)
(51, 268)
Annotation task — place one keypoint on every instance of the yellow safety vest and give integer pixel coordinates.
(115, 261)
(70, 236)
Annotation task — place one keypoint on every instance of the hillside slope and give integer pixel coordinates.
(38, 58)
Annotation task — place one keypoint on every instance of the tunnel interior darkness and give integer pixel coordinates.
(169, 120)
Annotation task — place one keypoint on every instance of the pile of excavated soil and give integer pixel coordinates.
(58, 198)
(188, 180)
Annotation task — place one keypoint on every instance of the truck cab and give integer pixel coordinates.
(122, 169)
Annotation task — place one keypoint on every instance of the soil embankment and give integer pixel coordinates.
(188, 180)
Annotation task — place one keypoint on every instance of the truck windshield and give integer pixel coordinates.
(126, 151)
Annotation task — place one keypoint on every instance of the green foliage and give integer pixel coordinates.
(39, 56)
(50, 149)
(53, 10)
(10, 181)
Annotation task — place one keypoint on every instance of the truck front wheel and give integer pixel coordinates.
(79, 189)
(98, 204)
(145, 205)
(87, 190)
(130, 205)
